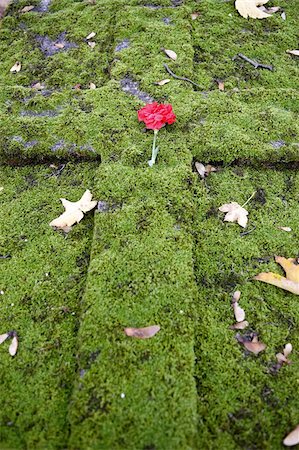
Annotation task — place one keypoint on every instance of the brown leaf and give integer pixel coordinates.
(3, 337)
(4, 4)
(239, 325)
(142, 333)
(170, 53)
(162, 82)
(27, 8)
(59, 45)
(90, 36)
(293, 52)
(290, 283)
(220, 85)
(16, 67)
(13, 346)
(292, 438)
(249, 8)
(210, 169)
(235, 213)
(254, 347)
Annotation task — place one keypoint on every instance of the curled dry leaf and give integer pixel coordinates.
(74, 211)
(170, 53)
(59, 45)
(287, 349)
(92, 86)
(288, 229)
(90, 36)
(249, 8)
(292, 438)
(239, 312)
(235, 213)
(220, 85)
(27, 8)
(236, 296)
(254, 347)
(204, 171)
(16, 67)
(290, 282)
(162, 82)
(3, 337)
(239, 325)
(142, 333)
(13, 346)
(37, 86)
(4, 4)
(91, 44)
(293, 52)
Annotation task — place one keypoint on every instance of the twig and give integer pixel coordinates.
(248, 200)
(255, 64)
(247, 232)
(180, 78)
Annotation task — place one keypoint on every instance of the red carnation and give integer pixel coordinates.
(156, 115)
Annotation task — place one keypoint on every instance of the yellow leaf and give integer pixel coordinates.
(277, 280)
(249, 8)
(290, 266)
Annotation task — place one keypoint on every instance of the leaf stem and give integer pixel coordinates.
(250, 198)
(154, 150)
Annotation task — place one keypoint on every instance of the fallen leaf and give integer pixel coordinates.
(92, 86)
(287, 349)
(91, 35)
(235, 213)
(220, 85)
(239, 312)
(16, 67)
(77, 87)
(13, 346)
(210, 169)
(239, 325)
(236, 296)
(27, 8)
(162, 82)
(142, 333)
(74, 211)
(200, 169)
(288, 229)
(293, 52)
(290, 282)
(91, 44)
(3, 337)
(37, 86)
(283, 16)
(194, 15)
(170, 53)
(249, 8)
(59, 45)
(292, 438)
(254, 347)
(4, 4)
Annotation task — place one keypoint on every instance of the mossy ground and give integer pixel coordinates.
(161, 253)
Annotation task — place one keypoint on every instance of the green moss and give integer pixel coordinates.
(42, 279)
(256, 407)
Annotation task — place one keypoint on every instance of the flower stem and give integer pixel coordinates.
(154, 150)
(247, 201)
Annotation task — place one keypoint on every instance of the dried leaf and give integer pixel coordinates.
(292, 438)
(200, 169)
(91, 35)
(74, 211)
(281, 358)
(239, 325)
(220, 85)
(92, 86)
(37, 86)
(13, 346)
(170, 53)
(239, 312)
(162, 82)
(236, 296)
(59, 45)
(4, 4)
(142, 333)
(293, 52)
(210, 169)
(288, 229)
(249, 8)
(287, 349)
(290, 283)
(91, 44)
(283, 16)
(16, 67)
(235, 213)
(3, 337)
(254, 347)
(27, 8)
(194, 15)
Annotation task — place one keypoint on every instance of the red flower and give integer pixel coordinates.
(156, 115)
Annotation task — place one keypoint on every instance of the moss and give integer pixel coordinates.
(257, 406)
(42, 279)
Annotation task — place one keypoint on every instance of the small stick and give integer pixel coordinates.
(255, 64)
(247, 232)
(248, 200)
(180, 78)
